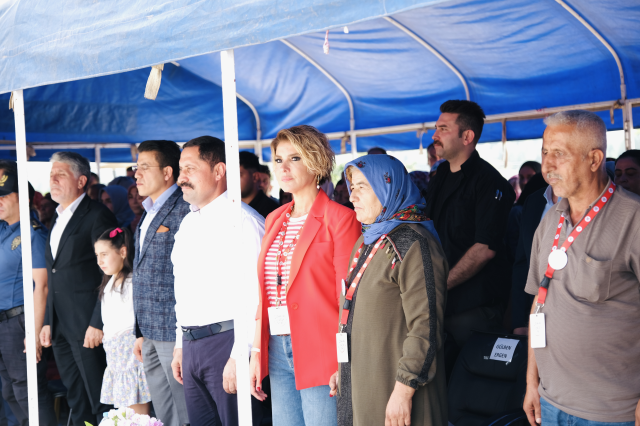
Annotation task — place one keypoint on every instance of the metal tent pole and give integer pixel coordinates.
(627, 124)
(97, 151)
(27, 264)
(230, 108)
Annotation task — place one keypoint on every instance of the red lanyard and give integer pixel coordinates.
(284, 251)
(544, 285)
(356, 280)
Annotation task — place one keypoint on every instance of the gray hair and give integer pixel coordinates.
(589, 129)
(79, 165)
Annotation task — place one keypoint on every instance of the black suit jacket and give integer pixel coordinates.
(74, 275)
(531, 216)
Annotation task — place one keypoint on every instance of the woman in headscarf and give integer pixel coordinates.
(115, 198)
(392, 307)
(135, 203)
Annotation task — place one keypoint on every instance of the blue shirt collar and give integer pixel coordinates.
(548, 195)
(151, 207)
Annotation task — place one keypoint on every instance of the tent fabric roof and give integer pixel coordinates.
(514, 55)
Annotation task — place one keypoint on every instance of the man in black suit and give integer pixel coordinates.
(535, 207)
(73, 319)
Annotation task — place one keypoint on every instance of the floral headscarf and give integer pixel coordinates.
(400, 198)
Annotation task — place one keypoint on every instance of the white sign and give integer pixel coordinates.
(343, 347)
(537, 331)
(503, 349)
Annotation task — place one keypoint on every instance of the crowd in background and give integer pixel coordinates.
(149, 325)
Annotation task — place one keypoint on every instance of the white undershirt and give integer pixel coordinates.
(64, 216)
(270, 270)
(117, 309)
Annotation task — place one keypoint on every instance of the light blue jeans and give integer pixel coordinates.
(292, 407)
(551, 416)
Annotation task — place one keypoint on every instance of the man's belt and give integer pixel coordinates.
(207, 330)
(10, 313)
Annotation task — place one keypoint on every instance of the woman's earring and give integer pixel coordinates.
(318, 182)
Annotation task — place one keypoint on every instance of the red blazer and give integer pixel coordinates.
(320, 262)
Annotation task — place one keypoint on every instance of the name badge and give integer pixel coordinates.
(343, 347)
(279, 321)
(503, 349)
(537, 330)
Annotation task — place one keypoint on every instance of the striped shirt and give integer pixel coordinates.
(270, 271)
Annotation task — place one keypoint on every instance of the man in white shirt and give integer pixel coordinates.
(73, 320)
(207, 277)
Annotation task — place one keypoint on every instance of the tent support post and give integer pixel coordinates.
(505, 154)
(27, 264)
(352, 136)
(627, 114)
(97, 155)
(230, 108)
(258, 147)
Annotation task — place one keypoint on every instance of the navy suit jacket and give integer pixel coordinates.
(154, 300)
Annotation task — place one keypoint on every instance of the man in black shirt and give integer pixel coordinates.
(469, 202)
(249, 165)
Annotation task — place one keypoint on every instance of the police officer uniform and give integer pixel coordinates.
(13, 362)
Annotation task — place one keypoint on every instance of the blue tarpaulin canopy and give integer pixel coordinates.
(86, 65)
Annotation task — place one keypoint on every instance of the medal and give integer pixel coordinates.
(558, 259)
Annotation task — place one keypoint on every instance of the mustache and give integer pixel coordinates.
(554, 175)
(185, 185)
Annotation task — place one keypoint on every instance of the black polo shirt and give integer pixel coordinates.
(263, 204)
(468, 207)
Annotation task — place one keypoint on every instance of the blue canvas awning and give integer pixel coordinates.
(511, 55)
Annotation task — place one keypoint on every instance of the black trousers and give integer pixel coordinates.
(13, 370)
(81, 370)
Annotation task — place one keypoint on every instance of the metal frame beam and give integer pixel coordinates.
(352, 121)
(431, 49)
(404, 128)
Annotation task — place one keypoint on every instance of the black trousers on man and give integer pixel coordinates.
(81, 370)
(13, 370)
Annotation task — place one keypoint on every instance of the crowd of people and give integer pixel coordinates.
(364, 292)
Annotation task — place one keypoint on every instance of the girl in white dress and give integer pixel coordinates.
(124, 383)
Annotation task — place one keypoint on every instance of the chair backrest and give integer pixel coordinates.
(482, 384)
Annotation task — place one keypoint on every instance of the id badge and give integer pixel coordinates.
(279, 320)
(537, 330)
(343, 347)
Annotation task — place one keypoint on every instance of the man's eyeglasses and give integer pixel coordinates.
(142, 168)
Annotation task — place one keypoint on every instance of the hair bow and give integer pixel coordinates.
(115, 232)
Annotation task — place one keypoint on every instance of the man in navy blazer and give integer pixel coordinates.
(153, 296)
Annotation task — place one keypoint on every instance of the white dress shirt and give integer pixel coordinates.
(209, 276)
(117, 309)
(64, 216)
(152, 210)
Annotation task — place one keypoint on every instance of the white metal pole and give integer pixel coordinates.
(97, 151)
(627, 123)
(25, 242)
(230, 109)
(354, 144)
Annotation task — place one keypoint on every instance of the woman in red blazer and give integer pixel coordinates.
(305, 249)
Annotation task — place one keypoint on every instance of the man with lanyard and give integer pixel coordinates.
(13, 362)
(584, 331)
(206, 285)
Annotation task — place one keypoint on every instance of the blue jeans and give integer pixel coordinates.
(292, 407)
(551, 416)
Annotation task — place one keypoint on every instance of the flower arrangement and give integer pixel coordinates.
(127, 417)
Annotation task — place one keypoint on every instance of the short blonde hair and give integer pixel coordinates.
(313, 147)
